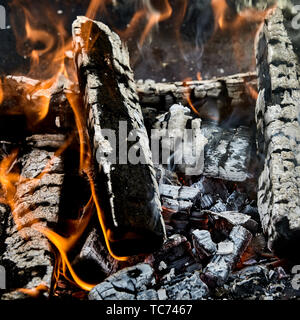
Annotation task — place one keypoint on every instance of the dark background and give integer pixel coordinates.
(201, 49)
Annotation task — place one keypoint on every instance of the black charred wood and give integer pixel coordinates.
(131, 205)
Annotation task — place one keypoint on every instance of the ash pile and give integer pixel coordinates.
(215, 218)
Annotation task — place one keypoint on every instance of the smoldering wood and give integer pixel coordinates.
(94, 258)
(223, 94)
(138, 283)
(187, 286)
(236, 219)
(278, 127)
(132, 207)
(203, 244)
(217, 271)
(176, 205)
(126, 284)
(60, 116)
(224, 153)
(22, 99)
(179, 193)
(28, 254)
(176, 254)
(228, 154)
(3, 216)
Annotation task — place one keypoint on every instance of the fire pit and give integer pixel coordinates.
(149, 150)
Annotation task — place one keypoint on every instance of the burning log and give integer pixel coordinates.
(28, 254)
(131, 205)
(222, 94)
(95, 259)
(31, 107)
(277, 113)
(217, 271)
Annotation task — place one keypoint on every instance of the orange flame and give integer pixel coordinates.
(153, 12)
(85, 166)
(35, 292)
(95, 6)
(252, 91)
(219, 8)
(188, 96)
(155, 16)
(1, 92)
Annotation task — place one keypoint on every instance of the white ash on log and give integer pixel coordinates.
(236, 219)
(132, 207)
(241, 5)
(180, 149)
(126, 284)
(222, 94)
(277, 112)
(203, 244)
(179, 193)
(228, 153)
(219, 152)
(28, 254)
(217, 271)
(184, 287)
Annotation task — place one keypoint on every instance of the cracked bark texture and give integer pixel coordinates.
(28, 256)
(131, 202)
(277, 113)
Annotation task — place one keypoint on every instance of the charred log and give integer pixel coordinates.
(217, 271)
(212, 98)
(28, 254)
(132, 207)
(25, 106)
(277, 113)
